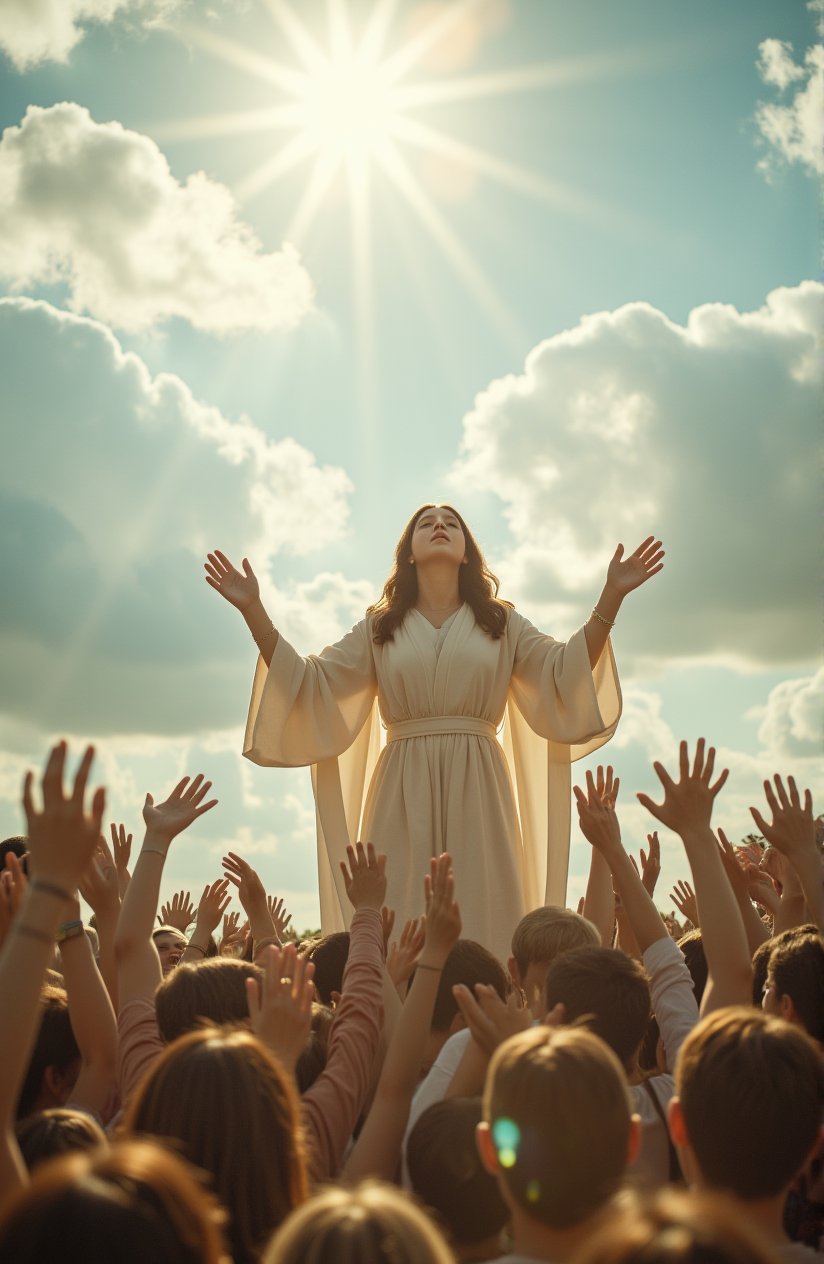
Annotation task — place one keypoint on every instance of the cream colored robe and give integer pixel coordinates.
(442, 781)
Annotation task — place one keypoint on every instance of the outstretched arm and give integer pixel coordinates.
(623, 575)
(687, 809)
(92, 1020)
(242, 591)
(138, 964)
(62, 839)
(792, 832)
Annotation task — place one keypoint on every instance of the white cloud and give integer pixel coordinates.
(704, 433)
(33, 31)
(791, 722)
(113, 486)
(792, 131)
(94, 206)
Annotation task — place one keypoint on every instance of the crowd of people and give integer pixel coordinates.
(190, 1084)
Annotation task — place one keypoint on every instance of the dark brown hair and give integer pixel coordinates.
(468, 963)
(203, 991)
(55, 1046)
(477, 586)
(59, 1131)
(796, 968)
(607, 990)
(221, 1098)
(752, 1091)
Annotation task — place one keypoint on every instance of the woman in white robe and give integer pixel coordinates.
(422, 667)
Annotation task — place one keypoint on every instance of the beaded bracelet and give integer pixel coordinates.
(196, 947)
(601, 619)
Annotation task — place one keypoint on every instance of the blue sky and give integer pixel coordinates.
(576, 293)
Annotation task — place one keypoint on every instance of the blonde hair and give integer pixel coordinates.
(545, 933)
(559, 1112)
(371, 1223)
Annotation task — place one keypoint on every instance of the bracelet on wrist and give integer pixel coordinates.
(33, 932)
(69, 930)
(260, 944)
(50, 888)
(153, 851)
(608, 623)
(196, 947)
(423, 966)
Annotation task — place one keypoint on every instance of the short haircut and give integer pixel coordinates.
(608, 990)
(468, 963)
(546, 932)
(796, 968)
(329, 957)
(50, 1132)
(205, 991)
(761, 957)
(559, 1110)
(692, 950)
(752, 1092)
(55, 1046)
(447, 1174)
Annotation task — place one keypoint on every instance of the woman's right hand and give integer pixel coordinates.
(240, 590)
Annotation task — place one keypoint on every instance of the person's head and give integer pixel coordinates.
(329, 956)
(676, 1227)
(750, 1093)
(58, 1131)
(447, 1174)
(17, 844)
(762, 954)
(312, 1057)
(170, 945)
(468, 963)
(558, 1129)
(795, 983)
(606, 989)
(133, 1203)
(229, 1106)
(371, 1223)
(214, 991)
(476, 583)
(692, 950)
(539, 938)
(55, 1061)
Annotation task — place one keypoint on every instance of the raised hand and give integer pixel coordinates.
(183, 806)
(212, 905)
(179, 912)
(626, 573)
(365, 877)
(99, 885)
(122, 849)
(443, 917)
(13, 883)
(596, 810)
(489, 1019)
(232, 934)
(403, 955)
(281, 1006)
(792, 828)
(62, 837)
(651, 863)
(683, 897)
(279, 916)
(240, 590)
(687, 805)
(387, 926)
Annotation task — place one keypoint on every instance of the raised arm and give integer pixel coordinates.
(378, 1147)
(623, 575)
(100, 889)
(599, 901)
(792, 832)
(687, 809)
(242, 591)
(138, 964)
(62, 838)
(93, 1022)
(755, 929)
(252, 895)
(210, 909)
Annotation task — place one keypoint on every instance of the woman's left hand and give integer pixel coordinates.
(626, 573)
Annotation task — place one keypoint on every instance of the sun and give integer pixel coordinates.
(349, 113)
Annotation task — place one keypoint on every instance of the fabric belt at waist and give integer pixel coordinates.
(435, 725)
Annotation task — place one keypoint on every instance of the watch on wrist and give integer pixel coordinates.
(69, 930)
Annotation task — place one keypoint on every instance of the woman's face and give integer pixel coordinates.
(438, 535)
(170, 948)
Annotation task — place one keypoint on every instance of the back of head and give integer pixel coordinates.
(207, 991)
(468, 963)
(558, 1108)
(134, 1203)
(692, 950)
(546, 932)
(796, 970)
(761, 957)
(329, 957)
(447, 1174)
(371, 1223)
(674, 1227)
(233, 1111)
(55, 1047)
(51, 1132)
(751, 1089)
(607, 989)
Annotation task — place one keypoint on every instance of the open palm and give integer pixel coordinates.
(184, 805)
(239, 589)
(626, 573)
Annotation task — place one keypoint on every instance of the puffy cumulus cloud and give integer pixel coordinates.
(34, 31)
(791, 722)
(792, 130)
(95, 206)
(704, 433)
(114, 484)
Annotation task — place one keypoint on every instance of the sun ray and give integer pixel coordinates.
(400, 63)
(266, 173)
(325, 168)
(310, 53)
(452, 248)
(268, 118)
(244, 58)
(363, 289)
(340, 34)
(373, 40)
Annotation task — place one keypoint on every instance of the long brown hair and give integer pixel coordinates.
(230, 1107)
(477, 586)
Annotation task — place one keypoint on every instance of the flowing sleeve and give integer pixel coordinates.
(559, 710)
(307, 710)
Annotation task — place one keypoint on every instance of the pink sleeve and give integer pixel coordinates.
(332, 1105)
(139, 1045)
